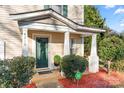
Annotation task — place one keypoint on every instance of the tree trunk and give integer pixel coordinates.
(109, 63)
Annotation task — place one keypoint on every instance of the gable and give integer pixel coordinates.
(50, 21)
(50, 13)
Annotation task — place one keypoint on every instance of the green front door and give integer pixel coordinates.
(41, 52)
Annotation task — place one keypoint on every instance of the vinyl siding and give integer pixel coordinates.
(9, 30)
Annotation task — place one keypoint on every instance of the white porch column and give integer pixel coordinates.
(82, 45)
(25, 42)
(66, 43)
(93, 58)
(66, 46)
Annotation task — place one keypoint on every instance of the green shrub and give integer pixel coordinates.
(72, 63)
(57, 60)
(111, 49)
(118, 66)
(5, 74)
(17, 71)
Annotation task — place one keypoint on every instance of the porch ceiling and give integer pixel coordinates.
(50, 13)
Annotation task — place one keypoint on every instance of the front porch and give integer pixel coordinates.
(59, 34)
(59, 43)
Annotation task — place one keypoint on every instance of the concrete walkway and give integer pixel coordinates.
(47, 79)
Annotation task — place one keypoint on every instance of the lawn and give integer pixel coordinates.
(96, 80)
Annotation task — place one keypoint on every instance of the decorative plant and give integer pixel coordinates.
(57, 60)
(71, 64)
(16, 72)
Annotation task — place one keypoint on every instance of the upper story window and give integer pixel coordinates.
(62, 9)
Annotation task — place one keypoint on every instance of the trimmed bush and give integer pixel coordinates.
(57, 60)
(118, 66)
(72, 63)
(16, 72)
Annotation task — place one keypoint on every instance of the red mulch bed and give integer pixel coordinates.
(95, 80)
(32, 85)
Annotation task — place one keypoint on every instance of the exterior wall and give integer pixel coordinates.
(11, 34)
(56, 44)
(76, 13)
(12, 9)
(9, 30)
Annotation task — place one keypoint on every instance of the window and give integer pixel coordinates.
(62, 9)
(65, 10)
(72, 49)
(46, 6)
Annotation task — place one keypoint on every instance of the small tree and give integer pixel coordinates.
(111, 49)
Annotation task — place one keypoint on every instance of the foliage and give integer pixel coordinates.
(73, 63)
(57, 59)
(87, 45)
(5, 75)
(93, 18)
(111, 49)
(16, 72)
(118, 66)
(122, 35)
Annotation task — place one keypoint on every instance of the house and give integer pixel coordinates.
(44, 31)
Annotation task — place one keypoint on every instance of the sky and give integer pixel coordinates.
(114, 15)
